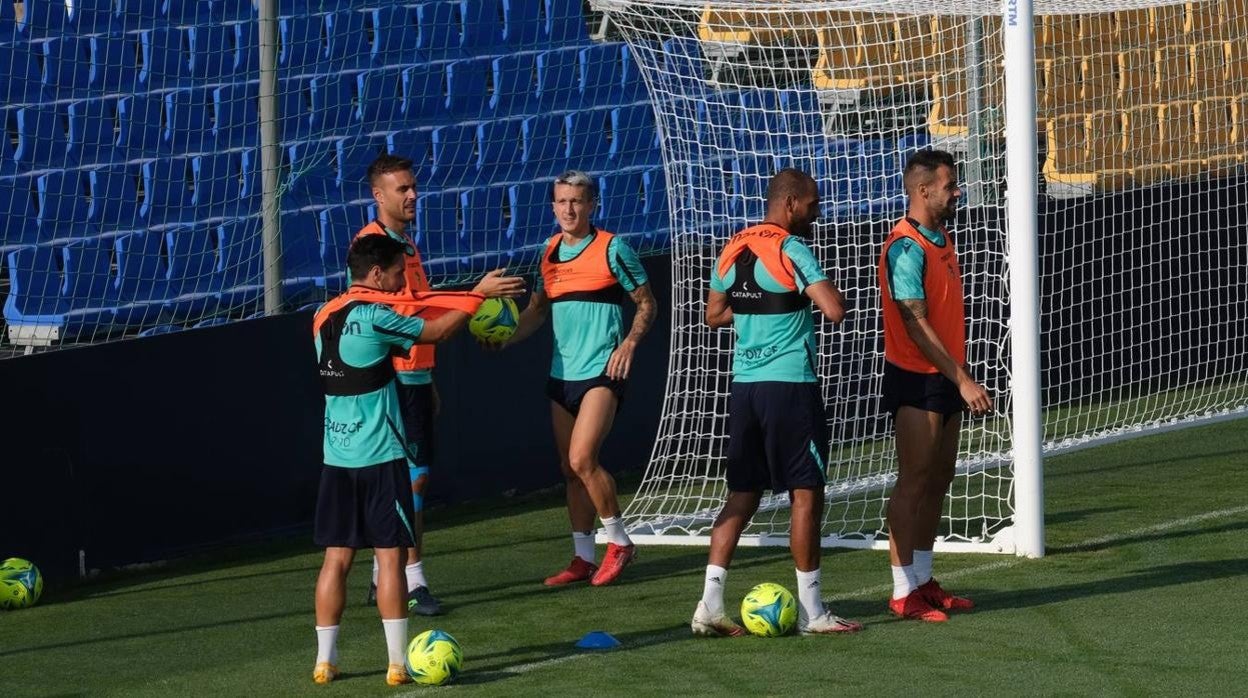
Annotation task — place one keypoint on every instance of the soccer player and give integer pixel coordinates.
(926, 378)
(364, 498)
(585, 273)
(394, 190)
(762, 286)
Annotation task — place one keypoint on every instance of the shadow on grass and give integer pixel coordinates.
(1065, 517)
(1165, 460)
(1143, 537)
(556, 652)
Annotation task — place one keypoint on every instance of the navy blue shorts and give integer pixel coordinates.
(930, 392)
(369, 507)
(569, 394)
(777, 437)
(416, 406)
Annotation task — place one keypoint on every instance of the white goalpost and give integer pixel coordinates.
(1101, 151)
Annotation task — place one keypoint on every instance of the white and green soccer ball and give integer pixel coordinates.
(769, 610)
(21, 585)
(496, 320)
(434, 658)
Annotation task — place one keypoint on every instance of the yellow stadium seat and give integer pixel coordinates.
(1178, 148)
(1141, 150)
(1057, 86)
(1071, 166)
(1136, 78)
(1107, 144)
(1209, 69)
(1172, 71)
(948, 115)
(1218, 142)
(1098, 76)
(1132, 29)
(1167, 22)
(1203, 21)
(1234, 16)
(915, 44)
(1236, 66)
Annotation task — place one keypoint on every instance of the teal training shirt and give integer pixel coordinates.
(905, 265)
(423, 376)
(776, 347)
(364, 430)
(586, 333)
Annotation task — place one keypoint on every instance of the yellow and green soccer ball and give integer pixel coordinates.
(496, 320)
(20, 584)
(769, 610)
(434, 658)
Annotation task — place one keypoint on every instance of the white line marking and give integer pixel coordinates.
(882, 588)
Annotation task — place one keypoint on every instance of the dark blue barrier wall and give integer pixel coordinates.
(143, 449)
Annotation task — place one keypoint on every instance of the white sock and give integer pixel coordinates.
(615, 531)
(809, 588)
(416, 575)
(713, 589)
(903, 581)
(583, 544)
(396, 639)
(327, 644)
(922, 567)
(376, 570)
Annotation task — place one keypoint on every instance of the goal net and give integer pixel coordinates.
(1140, 114)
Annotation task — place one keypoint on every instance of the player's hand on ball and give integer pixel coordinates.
(495, 285)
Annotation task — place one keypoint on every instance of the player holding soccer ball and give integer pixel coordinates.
(394, 190)
(762, 286)
(926, 379)
(585, 274)
(364, 498)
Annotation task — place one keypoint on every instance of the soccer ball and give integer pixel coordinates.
(20, 584)
(496, 320)
(434, 658)
(769, 610)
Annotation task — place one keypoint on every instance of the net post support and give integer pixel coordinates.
(269, 157)
(1021, 211)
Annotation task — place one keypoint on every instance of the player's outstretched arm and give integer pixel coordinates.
(443, 327)
(403, 331)
(914, 314)
(718, 312)
(531, 318)
(621, 360)
(828, 298)
(495, 285)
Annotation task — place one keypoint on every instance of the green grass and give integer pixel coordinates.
(1140, 594)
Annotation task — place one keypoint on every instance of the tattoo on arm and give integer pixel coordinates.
(912, 310)
(646, 310)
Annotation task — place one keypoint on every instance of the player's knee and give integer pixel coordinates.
(582, 464)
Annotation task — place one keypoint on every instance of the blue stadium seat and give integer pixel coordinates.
(439, 32)
(632, 86)
(130, 15)
(41, 138)
(599, 70)
(532, 222)
(213, 51)
(191, 291)
(466, 96)
(61, 292)
(237, 121)
(167, 189)
(87, 287)
(252, 185)
(338, 226)
(240, 265)
(348, 45)
(186, 119)
(623, 197)
(333, 110)
(634, 139)
(8, 22)
(454, 156)
(762, 126)
(682, 63)
(354, 155)
(804, 116)
(438, 226)
(483, 230)
(482, 28)
(751, 173)
(92, 17)
(166, 62)
(656, 210)
(424, 94)
(302, 44)
(556, 79)
(499, 151)
(142, 278)
(312, 179)
(543, 144)
(395, 35)
(90, 136)
(514, 85)
(114, 63)
(587, 145)
(230, 10)
(23, 79)
(114, 197)
(218, 186)
(34, 288)
(381, 98)
(302, 268)
(416, 145)
(710, 184)
(63, 204)
(20, 211)
(139, 120)
(565, 23)
(42, 18)
(522, 23)
(64, 60)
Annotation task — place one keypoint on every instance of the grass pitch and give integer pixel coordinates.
(1140, 593)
